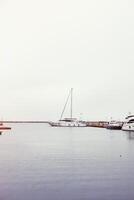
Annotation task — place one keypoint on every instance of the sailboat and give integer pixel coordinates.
(68, 122)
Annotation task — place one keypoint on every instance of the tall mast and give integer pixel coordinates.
(71, 106)
(71, 112)
(65, 105)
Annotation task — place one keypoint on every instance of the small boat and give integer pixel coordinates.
(3, 128)
(68, 122)
(114, 125)
(128, 125)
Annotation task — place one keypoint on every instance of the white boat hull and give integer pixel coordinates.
(128, 127)
(67, 124)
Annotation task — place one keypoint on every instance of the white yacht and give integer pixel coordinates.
(68, 122)
(128, 125)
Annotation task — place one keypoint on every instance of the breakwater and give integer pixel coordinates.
(101, 124)
(98, 124)
(23, 121)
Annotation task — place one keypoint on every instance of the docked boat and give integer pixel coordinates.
(128, 125)
(3, 127)
(114, 125)
(68, 122)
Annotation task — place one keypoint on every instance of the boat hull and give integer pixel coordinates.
(5, 128)
(114, 127)
(54, 124)
(128, 127)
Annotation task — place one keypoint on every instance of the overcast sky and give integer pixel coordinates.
(47, 47)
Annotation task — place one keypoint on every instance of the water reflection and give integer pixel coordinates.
(130, 135)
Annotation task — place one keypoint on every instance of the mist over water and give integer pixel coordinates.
(41, 162)
(47, 47)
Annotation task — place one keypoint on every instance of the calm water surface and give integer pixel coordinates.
(38, 162)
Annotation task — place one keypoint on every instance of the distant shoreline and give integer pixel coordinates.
(99, 124)
(95, 124)
(12, 121)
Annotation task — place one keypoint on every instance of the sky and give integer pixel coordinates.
(48, 47)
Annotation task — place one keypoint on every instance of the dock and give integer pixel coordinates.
(98, 124)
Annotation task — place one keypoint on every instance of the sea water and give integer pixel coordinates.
(39, 162)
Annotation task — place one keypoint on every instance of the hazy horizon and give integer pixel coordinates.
(47, 47)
